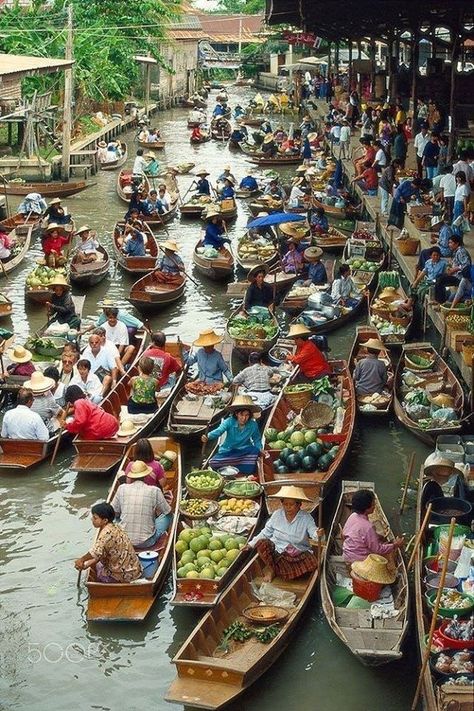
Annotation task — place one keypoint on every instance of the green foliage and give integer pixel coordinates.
(246, 7)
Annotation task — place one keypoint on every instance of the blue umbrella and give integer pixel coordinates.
(276, 218)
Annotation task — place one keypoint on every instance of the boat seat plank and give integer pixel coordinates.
(200, 694)
(353, 618)
(119, 609)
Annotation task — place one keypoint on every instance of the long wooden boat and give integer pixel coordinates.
(47, 190)
(219, 268)
(381, 314)
(189, 103)
(147, 294)
(335, 323)
(91, 273)
(244, 194)
(362, 335)
(6, 306)
(124, 179)
(222, 132)
(373, 641)
(206, 679)
(279, 280)
(316, 484)
(20, 238)
(247, 260)
(131, 602)
(155, 146)
(114, 164)
(194, 207)
(203, 138)
(158, 222)
(341, 212)
(276, 160)
(136, 265)
(20, 220)
(102, 455)
(189, 419)
(440, 379)
(293, 304)
(265, 204)
(332, 241)
(244, 346)
(252, 120)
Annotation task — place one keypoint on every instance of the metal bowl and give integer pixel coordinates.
(228, 472)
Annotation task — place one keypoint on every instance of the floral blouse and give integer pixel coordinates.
(114, 550)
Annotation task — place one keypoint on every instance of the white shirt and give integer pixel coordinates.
(295, 195)
(462, 191)
(59, 394)
(381, 158)
(343, 289)
(92, 386)
(103, 359)
(345, 133)
(89, 246)
(284, 533)
(117, 334)
(465, 167)
(420, 143)
(23, 423)
(448, 184)
(139, 165)
(336, 131)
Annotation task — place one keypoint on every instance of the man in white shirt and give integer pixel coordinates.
(421, 139)
(463, 165)
(22, 422)
(447, 188)
(88, 381)
(344, 139)
(139, 164)
(103, 364)
(117, 332)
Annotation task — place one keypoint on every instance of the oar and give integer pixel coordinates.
(3, 269)
(419, 537)
(58, 441)
(434, 618)
(187, 191)
(411, 465)
(79, 578)
(320, 525)
(182, 270)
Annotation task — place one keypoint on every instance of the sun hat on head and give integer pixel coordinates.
(208, 338)
(18, 354)
(127, 429)
(60, 280)
(290, 492)
(298, 329)
(294, 229)
(374, 343)
(108, 304)
(171, 245)
(52, 226)
(244, 402)
(230, 179)
(38, 383)
(55, 201)
(268, 138)
(202, 171)
(313, 253)
(227, 167)
(84, 228)
(102, 144)
(210, 212)
(139, 470)
(311, 136)
(374, 569)
(256, 270)
(302, 169)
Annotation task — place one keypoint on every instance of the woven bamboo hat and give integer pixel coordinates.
(171, 245)
(243, 402)
(256, 270)
(150, 154)
(298, 329)
(442, 400)
(290, 492)
(293, 229)
(139, 470)
(102, 144)
(374, 343)
(84, 228)
(59, 280)
(202, 171)
(208, 338)
(18, 354)
(230, 179)
(38, 383)
(55, 201)
(211, 211)
(302, 169)
(268, 138)
(52, 226)
(127, 428)
(262, 214)
(374, 569)
(313, 253)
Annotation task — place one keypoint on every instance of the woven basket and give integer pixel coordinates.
(408, 247)
(298, 400)
(317, 414)
(210, 494)
(467, 354)
(212, 509)
(457, 321)
(462, 309)
(400, 320)
(379, 311)
(422, 222)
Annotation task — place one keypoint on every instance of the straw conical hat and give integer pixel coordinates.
(55, 201)
(208, 338)
(290, 492)
(53, 226)
(139, 470)
(127, 428)
(256, 270)
(442, 400)
(298, 329)
(18, 354)
(171, 245)
(262, 214)
(59, 280)
(313, 253)
(202, 171)
(84, 228)
(374, 343)
(39, 383)
(150, 154)
(268, 138)
(374, 569)
(243, 402)
(294, 229)
(302, 169)
(211, 211)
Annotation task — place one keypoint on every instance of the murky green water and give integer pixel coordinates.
(50, 658)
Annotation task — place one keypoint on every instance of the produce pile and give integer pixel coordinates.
(427, 414)
(460, 630)
(199, 200)
(196, 507)
(252, 327)
(242, 487)
(237, 507)
(206, 480)
(199, 387)
(459, 663)
(257, 250)
(238, 631)
(299, 292)
(358, 264)
(454, 600)
(365, 235)
(42, 276)
(203, 555)
(300, 450)
(389, 279)
(422, 360)
(208, 252)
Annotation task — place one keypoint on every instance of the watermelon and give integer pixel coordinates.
(308, 463)
(324, 462)
(285, 453)
(314, 450)
(333, 452)
(281, 468)
(293, 462)
(271, 434)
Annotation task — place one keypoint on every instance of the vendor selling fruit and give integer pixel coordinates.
(285, 542)
(61, 308)
(310, 359)
(370, 373)
(211, 365)
(52, 246)
(259, 293)
(243, 441)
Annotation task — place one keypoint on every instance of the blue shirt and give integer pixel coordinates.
(405, 190)
(320, 221)
(249, 183)
(135, 247)
(123, 316)
(444, 234)
(317, 273)
(237, 437)
(433, 271)
(203, 187)
(170, 265)
(218, 111)
(213, 238)
(228, 192)
(211, 366)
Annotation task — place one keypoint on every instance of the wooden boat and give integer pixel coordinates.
(265, 204)
(204, 138)
(158, 222)
(195, 206)
(190, 418)
(363, 333)
(316, 484)
(136, 265)
(114, 164)
(243, 194)
(294, 305)
(276, 160)
(155, 146)
(91, 273)
(252, 120)
(373, 641)
(381, 313)
(183, 168)
(6, 306)
(195, 124)
(124, 179)
(341, 212)
(228, 209)
(131, 602)
(335, 323)
(208, 680)
(222, 132)
(20, 238)
(218, 268)
(362, 278)
(247, 261)
(47, 190)
(333, 241)
(440, 378)
(102, 455)
(198, 103)
(244, 346)
(147, 294)
(20, 220)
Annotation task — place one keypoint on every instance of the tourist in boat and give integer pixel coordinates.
(359, 536)
(170, 266)
(153, 205)
(143, 451)
(228, 191)
(53, 244)
(143, 511)
(144, 132)
(110, 347)
(103, 363)
(243, 440)
(457, 269)
(274, 190)
(22, 422)
(317, 273)
(117, 333)
(56, 213)
(248, 183)
(143, 389)
(67, 364)
(88, 421)
(112, 553)
(5, 244)
(292, 261)
(269, 147)
(61, 308)
(87, 381)
(212, 367)
(140, 164)
(259, 293)
(133, 243)
(308, 357)
(153, 167)
(403, 194)
(154, 136)
(164, 197)
(214, 230)
(32, 206)
(257, 381)
(136, 206)
(43, 400)
(344, 291)
(57, 388)
(370, 374)
(318, 220)
(203, 186)
(88, 246)
(284, 544)
(132, 323)
(165, 366)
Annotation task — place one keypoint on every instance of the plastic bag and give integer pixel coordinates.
(271, 595)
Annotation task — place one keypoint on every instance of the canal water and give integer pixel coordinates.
(50, 657)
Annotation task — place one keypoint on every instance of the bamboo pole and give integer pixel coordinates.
(411, 464)
(419, 536)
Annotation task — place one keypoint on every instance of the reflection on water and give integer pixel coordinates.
(50, 658)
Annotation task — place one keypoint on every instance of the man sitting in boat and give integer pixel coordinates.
(170, 266)
(102, 152)
(344, 290)
(318, 221)
(274, 190)
(67, 366)
(53, 244)
(21, 362)
(227, 174)
(218, 109)
(5, 244)
(310, 359)
(140, 164)
(370, 373)
(117, 333)
(239, 134)
(112, 554)
(61, 307)
(134, 245)
(132, 322)
(57, 389)
(243, 440)
(284, 544)
(359, 536)
(143, 511)
(143, 134)
(103, 362)
(22, 422)
(89, 421)
(214, 230)
(153, 167)
(164, 197)
(87, 381)
(153, 205)
(166, 366)
(44, 403)
(211, 365)
(110, 347)
(259, 293)
(56, 213)
(248, 183)
(154, 136)
(87, 249)
(143, 389)
(202, 185)
(269, 147)
(257, 380)
(316, 271)
(114, 151)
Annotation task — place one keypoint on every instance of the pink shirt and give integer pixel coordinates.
(360, 539)
(154, 478)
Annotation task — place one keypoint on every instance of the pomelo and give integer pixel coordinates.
(186, 535)
(204, 562)
(207, 573)
(217, 556)
(192, 574)
(231, 544)
(215, 544)
(198, 544)
(188, 567)
(205, 553)
(180, 547)
(310, 436)
(297, 439)
(224, 564)
(241, 539)
(232, 554)
(181, 573)
(187, 557)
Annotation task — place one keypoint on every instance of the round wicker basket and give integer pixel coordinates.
(408, 247)
(212, 508)
(299, 399)
(210, 494)
(317, 414)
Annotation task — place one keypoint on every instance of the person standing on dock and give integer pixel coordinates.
(421, 139)
(403, 194)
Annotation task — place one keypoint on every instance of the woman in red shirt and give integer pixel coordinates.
(53, 244)
(311, 361)
(89, 420)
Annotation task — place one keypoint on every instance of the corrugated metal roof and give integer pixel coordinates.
(20, 64)
(182, 34)
(232, 28)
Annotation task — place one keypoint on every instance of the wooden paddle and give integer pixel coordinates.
(434, 618)
(411, 465)
(58, 441)
(419, 537)
(187, 191)
(181, 270)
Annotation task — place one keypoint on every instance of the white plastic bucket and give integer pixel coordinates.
(149, 561)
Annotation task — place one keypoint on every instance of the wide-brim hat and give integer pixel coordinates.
(18, 354)
(139, 470)
(108, 304)
(59, 280)
(374, 569)
(374, 343)
(150, 154)
(313, 253)
(227, 167)
(256, 270)
(230, 179)
(298, 329)
(84, 228)
(302, 169)
(311, 136)
(244, 402)
(171, 245)
(202, 171)
(263, 213)
(294, 229)
(211, 212)
(268, 138)
(55, 201)
(442, 400)
(208, 338)
(102, 144)
(52, 226)
(127, 428)
(290, 492)
(38, 383)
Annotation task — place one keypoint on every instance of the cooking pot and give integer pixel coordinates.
(443, 510)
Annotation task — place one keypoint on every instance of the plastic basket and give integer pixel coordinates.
(365, 588)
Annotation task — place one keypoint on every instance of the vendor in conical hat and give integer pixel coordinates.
(212, 367)
(170, 266)
(53, 244)
(317, 274)
(259, 293)
(87, 249)
(308, 357)
(215, 228)
(21, 362)
(243, 440)
(55, 212)
(274, 190)
(227, 174)
(370, 374)
(203, 186)
(61, 308)
(269, 146)
(285, 543)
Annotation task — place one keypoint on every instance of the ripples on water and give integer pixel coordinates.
(50, 658)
